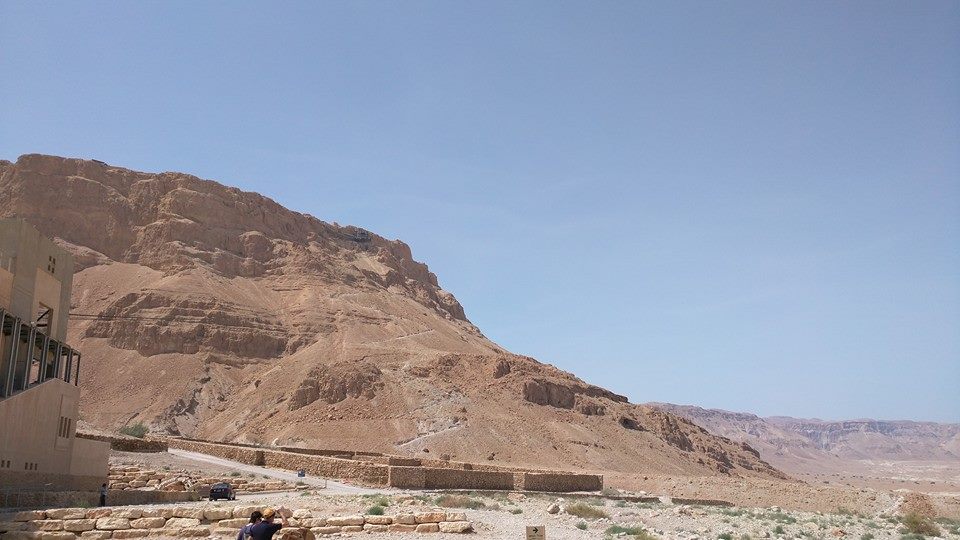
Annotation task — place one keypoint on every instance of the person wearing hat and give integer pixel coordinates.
(267, 528)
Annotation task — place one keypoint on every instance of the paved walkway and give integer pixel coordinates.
(329, 486)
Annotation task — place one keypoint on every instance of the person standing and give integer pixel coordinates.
(103, 494)
(255, 518)
(267, 528)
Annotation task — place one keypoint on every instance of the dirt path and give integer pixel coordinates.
(329, 486)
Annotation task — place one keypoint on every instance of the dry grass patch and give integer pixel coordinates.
(587, 511)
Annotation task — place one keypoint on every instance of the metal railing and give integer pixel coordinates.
(29, 357)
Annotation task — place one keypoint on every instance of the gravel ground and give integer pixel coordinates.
(502, 515)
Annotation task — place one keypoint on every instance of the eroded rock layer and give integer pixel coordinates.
(214, 313)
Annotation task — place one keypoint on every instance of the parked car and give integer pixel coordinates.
(222, 490)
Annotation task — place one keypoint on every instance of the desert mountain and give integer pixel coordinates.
(800, 445)
(210, 312)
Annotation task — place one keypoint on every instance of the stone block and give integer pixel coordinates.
(113, 524)
(405, 519)
(97, 513)
(188, 512)
(165, 513)
(47, 524)
(233, 523)
(79, 525)
(455, 526)
(96, 535)
(129, 513)
(67, 513)
(245, 511)
(181, 523)
(430, 517)
(132, 533)
(378, 520)
(428, 528)
(191, 532)
(57, 535)
(351, 529)
(344, 521)
(401, 528)
(325, 530)
(216, 513)
(371, 527)
(313, 522)
(148, 523)
(302, 513)
(456, 516)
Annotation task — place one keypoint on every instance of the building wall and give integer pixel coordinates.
(42, 272)
(90, 458)
(42, 420)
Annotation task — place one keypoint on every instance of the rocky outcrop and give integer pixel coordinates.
(209, 312)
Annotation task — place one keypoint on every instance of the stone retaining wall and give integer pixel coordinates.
(562, 482)
(127, 444)
(395, 471)
(210, 521)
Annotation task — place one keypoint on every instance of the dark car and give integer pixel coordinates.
(222, 490)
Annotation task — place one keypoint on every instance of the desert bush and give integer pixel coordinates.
(610, 492)
(137, 430)
(516, 511)
(375, 511)
(587, 511)
(620, 529)
(235, 474)
(725, 536)
(582, 525)
(778, 529)
(780, 517)
(459, 501)
(866, 536)
(917, 524)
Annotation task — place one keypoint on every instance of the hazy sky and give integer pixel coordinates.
(745, 205)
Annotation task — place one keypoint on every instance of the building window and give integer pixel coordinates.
(66, 425)
(51, 264)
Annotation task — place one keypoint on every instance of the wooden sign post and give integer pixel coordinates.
(536, 532)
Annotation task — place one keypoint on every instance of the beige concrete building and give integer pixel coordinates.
(39, 372)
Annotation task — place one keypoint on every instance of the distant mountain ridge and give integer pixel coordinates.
(802, 445)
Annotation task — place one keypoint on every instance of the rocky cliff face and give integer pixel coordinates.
(798, 445)
(215, 313)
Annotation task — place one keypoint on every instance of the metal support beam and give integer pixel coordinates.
(67, 375)
(58, 360)
(31, 343)
(76, 379)
(44, 352)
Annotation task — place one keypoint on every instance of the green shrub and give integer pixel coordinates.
(725, 536)
(459, 501)
(301, 483)
(617, 529)
(610, 492)
(235, 474)
(375, 511)
(866, 536)
(582, 525)
(778, 529)
(917, 524)
(137, 430)
(516, 511)
(745, 537)
(780, 517)
(586, 511)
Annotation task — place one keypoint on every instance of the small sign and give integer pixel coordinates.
(536, 532)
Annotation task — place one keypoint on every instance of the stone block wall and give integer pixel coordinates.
(457, 479)
(358, 471)
(559, 482)
(127, 444)
(209, 522)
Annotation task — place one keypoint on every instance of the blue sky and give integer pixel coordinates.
(746, 205)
